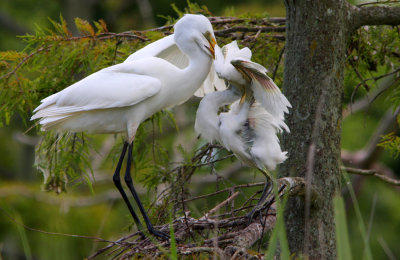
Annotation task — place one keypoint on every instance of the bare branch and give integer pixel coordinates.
(363, 81)
(249, 29)
(375, 15)
(379, 3)
(224, 237)
(366, 156)
(97, 239)
(220, 205)
(364, 102)
(371, 173)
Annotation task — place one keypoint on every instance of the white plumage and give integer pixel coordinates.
(118, 98)
(249, 129)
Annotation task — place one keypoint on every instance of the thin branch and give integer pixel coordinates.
(247, 185)
(24, 60)
(218, 20)
(278, 62)
(83, 201)
(363, 103)
(366, 156)
(371, 173)
(363, 81)
(249, 29)
(310, 170)
(97, 239)
(233, 233)
(220, 205)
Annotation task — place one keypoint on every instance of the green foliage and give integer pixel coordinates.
(174, 252)
(63, 157)
(52, 60)
(367, 254)
(374, 53)
(391, 142)
(279, 232)
(342, 237)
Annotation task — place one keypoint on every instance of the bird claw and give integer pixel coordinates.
(262, 205)
(252, 214)
(159, 234)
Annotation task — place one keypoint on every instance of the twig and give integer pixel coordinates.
(365, 157)
(248, 185)
(249, 29)
(210, 250)
(24, 60)
(363, 82)
(371, 173)
(97, 239)
(235, 233)
(310, 171)
(364, 102)
(224, 20)
(220, 205)
(278, 62)
(386, 249)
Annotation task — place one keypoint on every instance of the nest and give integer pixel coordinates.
(221, 236)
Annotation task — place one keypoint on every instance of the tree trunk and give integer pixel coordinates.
(315, 55)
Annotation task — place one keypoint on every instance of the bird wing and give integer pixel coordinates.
(166, 49)
(265, 90)
(266, 151)
(112, 87)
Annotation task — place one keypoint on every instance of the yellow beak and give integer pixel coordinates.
(212, 42)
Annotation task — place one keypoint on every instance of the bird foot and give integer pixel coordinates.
(252, 214)
(262, 205)
(159, 234)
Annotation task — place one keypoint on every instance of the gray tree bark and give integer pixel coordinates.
(315, 54)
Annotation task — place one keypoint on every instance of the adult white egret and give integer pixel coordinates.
(119, 98)
(249, 129)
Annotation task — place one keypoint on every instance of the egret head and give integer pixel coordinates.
(197, 28)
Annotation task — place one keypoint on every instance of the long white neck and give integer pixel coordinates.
(199, 66)
(207, 120)
(192, 76)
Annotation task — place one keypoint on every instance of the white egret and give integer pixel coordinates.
(249, 129)
(119, 98)
(166, 48)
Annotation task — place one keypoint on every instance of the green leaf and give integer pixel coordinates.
(342, 237)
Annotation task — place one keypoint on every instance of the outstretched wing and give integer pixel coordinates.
(265, 90)
(166, 49)
(112, 87)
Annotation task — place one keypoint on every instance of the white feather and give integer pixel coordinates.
(120, 97)
(248, 130)
(166, 49)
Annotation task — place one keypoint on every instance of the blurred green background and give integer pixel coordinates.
(22, 199)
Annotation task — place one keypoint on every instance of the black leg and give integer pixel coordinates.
(117, 182)
(260, 204)
(265, 201)
(129, 182)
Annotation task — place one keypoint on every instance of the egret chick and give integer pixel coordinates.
(249, 129)
(119, 98)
